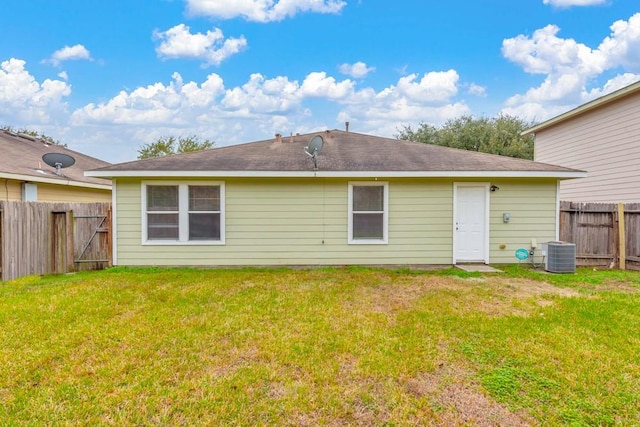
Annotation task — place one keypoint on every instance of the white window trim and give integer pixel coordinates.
(385, 214)
(183, 214)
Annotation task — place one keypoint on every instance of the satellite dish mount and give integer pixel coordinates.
(58, 161)
(314, 148)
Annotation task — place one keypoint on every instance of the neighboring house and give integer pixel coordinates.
(25, 176)
(370, 201)
(601, 137)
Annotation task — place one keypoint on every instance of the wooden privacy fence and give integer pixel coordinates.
(605, 234)
(43, 238)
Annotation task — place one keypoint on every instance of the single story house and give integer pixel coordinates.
(601, 137)
(25, 175)
(362, 200)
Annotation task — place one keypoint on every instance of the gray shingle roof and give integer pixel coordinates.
(22, 157)
(342, 152)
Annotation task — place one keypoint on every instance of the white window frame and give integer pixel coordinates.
(183, 213)
(385, 213)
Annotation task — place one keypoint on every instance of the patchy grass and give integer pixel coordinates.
(349, 346)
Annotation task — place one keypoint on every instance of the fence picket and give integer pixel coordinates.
(595, 230)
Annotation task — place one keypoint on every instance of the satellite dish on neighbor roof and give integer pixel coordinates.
(314, 148)
(58, 161)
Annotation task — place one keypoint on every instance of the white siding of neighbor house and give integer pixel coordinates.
(305, 222)
(605, 142)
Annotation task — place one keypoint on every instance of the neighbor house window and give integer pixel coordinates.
(183, 213)
(29, 192)
(368, 212)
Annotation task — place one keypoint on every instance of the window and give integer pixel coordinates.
(368, 212)
(188, 213)
(162, 212)
(204, 212)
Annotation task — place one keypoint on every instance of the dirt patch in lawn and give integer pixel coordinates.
(492, 296)
(458, 401)
(618, 286)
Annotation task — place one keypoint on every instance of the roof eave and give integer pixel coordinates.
(55, 181)
(336, 174)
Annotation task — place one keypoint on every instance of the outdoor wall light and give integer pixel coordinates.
(494, 188)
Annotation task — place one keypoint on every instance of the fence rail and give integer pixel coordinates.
(605, 234)
(42, 238)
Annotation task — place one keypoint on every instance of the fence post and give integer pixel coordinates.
(622, 237)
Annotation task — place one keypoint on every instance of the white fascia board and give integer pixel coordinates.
(44, 180)
(337, 174)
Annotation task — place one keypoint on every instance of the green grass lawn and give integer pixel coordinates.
(347, 346)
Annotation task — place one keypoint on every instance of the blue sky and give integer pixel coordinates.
(105, 77)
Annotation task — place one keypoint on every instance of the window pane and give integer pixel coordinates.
(368, 198)
(162, 226)
(204, 198)
(204, 226)
(368, 226)
(162, 197)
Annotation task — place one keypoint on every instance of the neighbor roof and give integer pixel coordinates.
(344, 154)
(22, 160)
(589, 106)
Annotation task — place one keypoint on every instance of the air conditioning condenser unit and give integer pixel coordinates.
(560, 257)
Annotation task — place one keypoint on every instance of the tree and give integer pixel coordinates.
(168, 145)
(499, 135)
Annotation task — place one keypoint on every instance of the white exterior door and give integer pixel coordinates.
(470, 228)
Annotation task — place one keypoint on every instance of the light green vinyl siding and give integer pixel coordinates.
(305, 221)
(532, 206)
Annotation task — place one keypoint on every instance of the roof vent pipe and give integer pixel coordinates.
(278, 137)
(346, 126)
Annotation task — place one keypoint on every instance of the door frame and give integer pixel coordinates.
(487, 210)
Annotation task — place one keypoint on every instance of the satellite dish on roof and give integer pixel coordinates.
(58, 161)
(313, 149)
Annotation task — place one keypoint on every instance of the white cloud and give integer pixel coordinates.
(178, 101)
(434, 87)
(23, 99)
(262, 106)
(63, 75)
(211, 47)
(69, 53)
(622, 47)
(545, 53)
(476, 90)
(569, 3)
(618, 82)
(358, 70)
(261, 10)
(570, 67)
(317, 84)
(260, 95)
